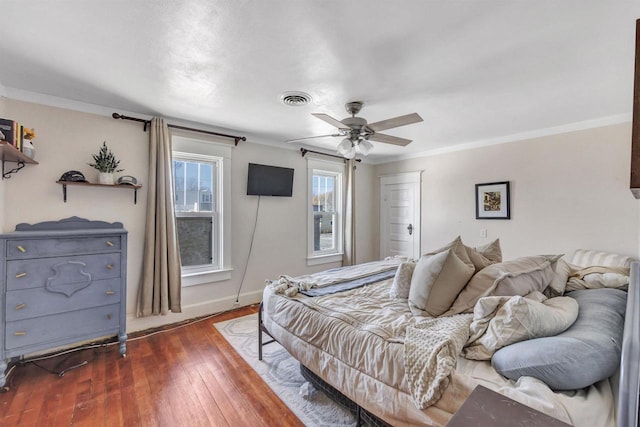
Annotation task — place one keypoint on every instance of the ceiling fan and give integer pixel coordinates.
(357, 133)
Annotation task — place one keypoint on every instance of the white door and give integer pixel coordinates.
(400, 215)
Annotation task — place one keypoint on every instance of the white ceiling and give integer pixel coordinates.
(477, 71)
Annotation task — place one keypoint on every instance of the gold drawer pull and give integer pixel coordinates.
(21, 249)
(19, 275)
(20, 333)
(109, 316)
(110, 293)
(20, 306)
(109, 266)
(109, 243)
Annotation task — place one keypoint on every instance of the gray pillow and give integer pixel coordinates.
(587, 352)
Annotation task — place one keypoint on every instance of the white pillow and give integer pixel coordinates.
(402, 280)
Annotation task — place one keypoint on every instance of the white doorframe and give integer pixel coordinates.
(413, 180)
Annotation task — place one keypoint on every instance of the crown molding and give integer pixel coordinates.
(69, 104)
(517, 137)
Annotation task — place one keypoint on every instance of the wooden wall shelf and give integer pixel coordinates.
(91, 184)
(9, 153)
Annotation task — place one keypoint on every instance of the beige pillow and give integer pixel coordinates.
(436, 281)
(501, 321)
(491, 251)
(479, 261)
(458, 247)
(402, 280)
(561, 272)
(516, 277)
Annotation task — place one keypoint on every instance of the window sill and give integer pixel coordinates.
(200, 277)
(324, 259)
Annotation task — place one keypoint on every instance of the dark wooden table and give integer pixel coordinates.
(486, 408)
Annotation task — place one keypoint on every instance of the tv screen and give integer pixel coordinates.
(266, 180)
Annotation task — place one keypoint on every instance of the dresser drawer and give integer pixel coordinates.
(36, 248)
(25, 274)
(59, 328)
(28, 303)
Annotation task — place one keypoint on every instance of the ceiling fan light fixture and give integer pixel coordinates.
(344, 147)
(365, 147)
(351, 153)
(358, 130)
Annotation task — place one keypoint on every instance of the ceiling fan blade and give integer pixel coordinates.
(388, 139)
(327, 118)
(311, 137)
(395, 122)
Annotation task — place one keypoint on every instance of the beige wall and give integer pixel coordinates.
(66, 139)
(366, 214)
(568, 191)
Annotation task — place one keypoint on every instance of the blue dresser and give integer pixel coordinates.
(63, 282)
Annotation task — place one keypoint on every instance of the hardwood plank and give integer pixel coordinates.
(142, 389)
(185, 374)
(236, 409)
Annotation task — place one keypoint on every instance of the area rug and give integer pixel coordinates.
(282, 374)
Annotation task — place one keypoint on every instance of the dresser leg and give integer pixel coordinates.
(123, 344)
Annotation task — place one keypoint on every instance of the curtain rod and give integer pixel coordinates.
(305, 151)
(208, 132)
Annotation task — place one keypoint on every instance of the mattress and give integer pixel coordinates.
(354, 340)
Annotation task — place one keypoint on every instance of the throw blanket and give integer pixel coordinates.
(431, 348)
(499, 321)
(598, 277)
(349, 284)
(290, 286)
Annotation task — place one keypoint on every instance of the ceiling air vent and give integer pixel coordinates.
(295, 99)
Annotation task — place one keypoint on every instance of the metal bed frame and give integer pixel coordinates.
(629, 389)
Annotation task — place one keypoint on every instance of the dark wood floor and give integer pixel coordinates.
(189, 376)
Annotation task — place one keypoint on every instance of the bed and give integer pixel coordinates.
(366, 332)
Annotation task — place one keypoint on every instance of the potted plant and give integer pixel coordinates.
(106, 164)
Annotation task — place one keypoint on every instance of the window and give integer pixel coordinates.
(196, 210)
(202, 194)
(325, 211)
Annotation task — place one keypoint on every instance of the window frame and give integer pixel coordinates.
(188, 149)
(317, 166)
(216, 225)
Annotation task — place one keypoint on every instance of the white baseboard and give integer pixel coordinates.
(192, 311)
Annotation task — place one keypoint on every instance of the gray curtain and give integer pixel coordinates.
(349, 245)
(160, 286)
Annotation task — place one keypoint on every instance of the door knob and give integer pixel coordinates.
(410, 228)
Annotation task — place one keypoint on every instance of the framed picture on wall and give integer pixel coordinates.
(492, 200)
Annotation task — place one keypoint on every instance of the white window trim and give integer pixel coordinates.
(217, 221)
(199, 150)
(338, 169)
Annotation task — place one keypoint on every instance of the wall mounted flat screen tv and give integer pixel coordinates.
(264, 180)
